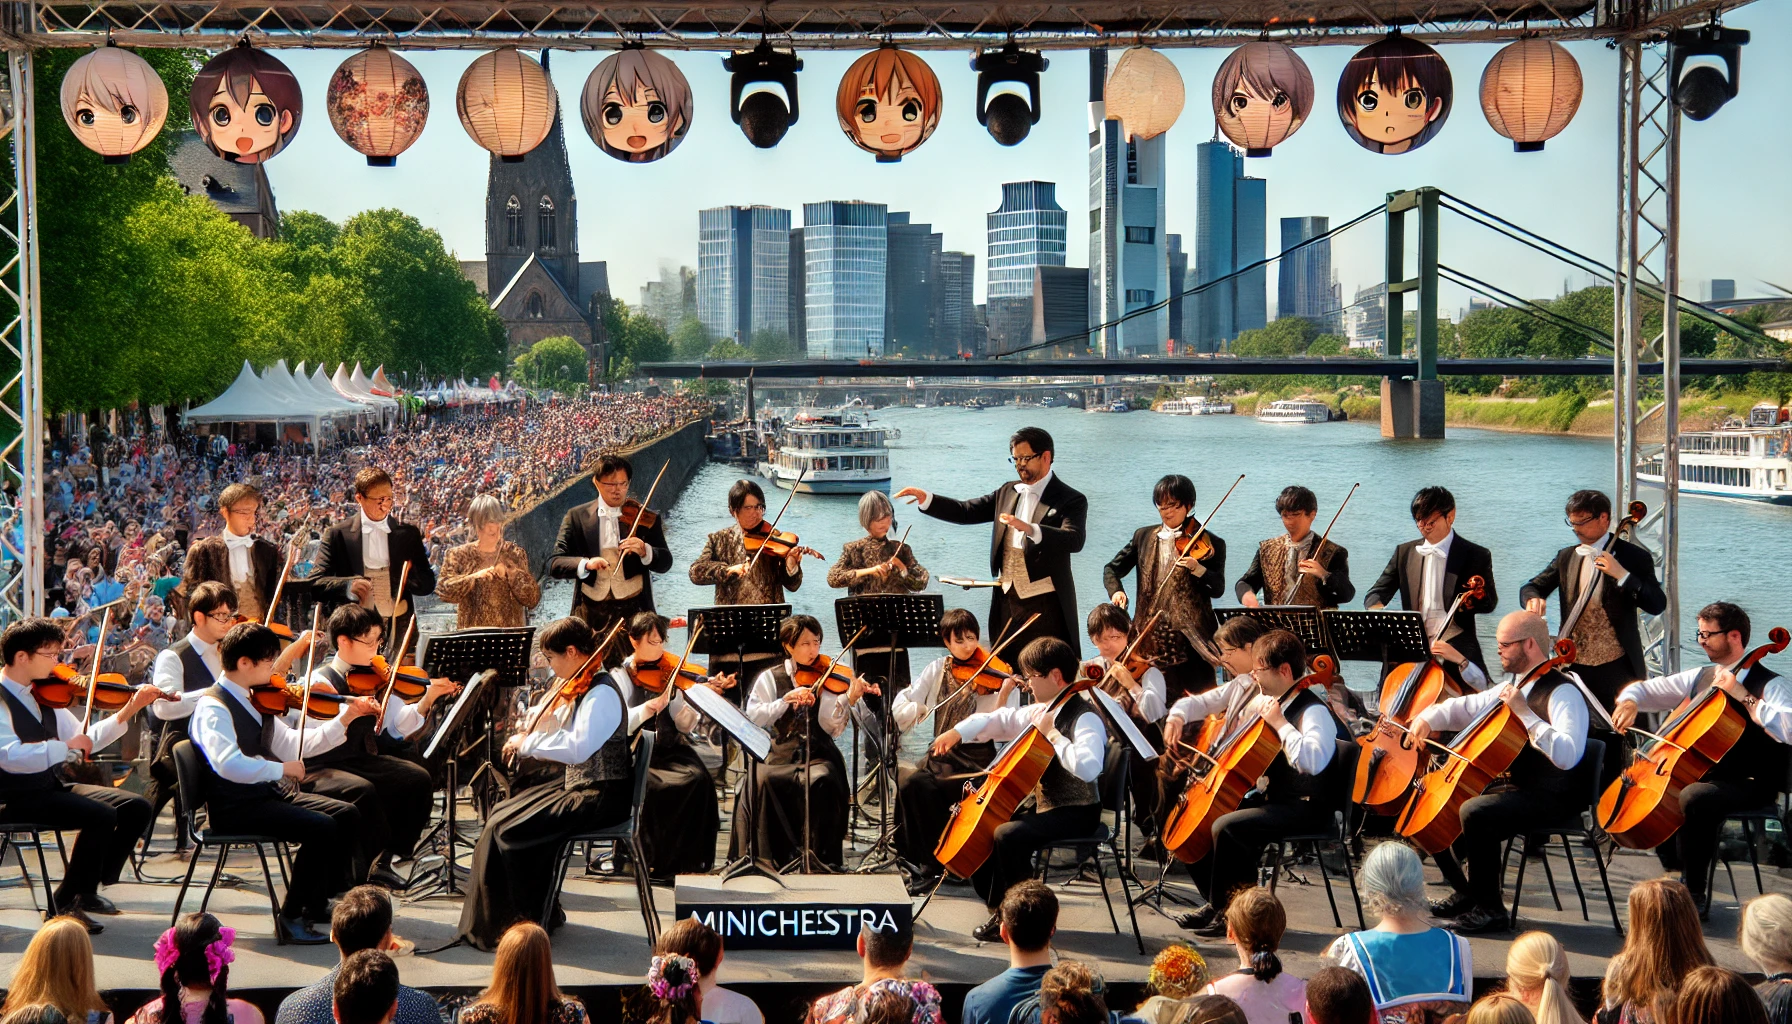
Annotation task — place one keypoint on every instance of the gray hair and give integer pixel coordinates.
(1766, 932)
(1393, 880)
(485, 509)
(875, 505)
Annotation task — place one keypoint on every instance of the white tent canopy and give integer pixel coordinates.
(249, 400)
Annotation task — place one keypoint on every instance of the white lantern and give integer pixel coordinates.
(507, 103)
(1530, 92)
(114, 102)
(1144, 93)
(378, 104)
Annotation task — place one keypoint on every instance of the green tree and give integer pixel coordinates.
(557, 362)
(769, 346)
(727, 350)
(689, 339)
(1286, 336)
(437, 321)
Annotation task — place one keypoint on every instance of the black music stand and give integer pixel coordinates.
(740, 630)
(1300, 619)
(1389, 637)
(900, 622)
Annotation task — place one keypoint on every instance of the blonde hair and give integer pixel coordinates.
(57, 969)
(1766, 930)
(1538, 963)
(1500, 1008)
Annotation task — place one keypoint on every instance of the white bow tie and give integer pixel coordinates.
(235, 543)
(1165, 533)
(1427, 549)
(1587, 551)
(382, 525)
(606, 512)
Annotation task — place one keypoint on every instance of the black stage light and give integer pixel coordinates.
(1701, 91)
(764, 116)
(1008, 117)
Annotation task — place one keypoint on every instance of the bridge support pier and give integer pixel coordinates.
(1412, 408)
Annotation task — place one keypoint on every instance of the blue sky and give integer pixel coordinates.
(1735, 215)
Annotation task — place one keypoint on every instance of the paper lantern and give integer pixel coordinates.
(246, 105)
(507, 103)
(888, 103)
(114, 102)
(1530, 92)
(1144, 93)
(636, 105)
(1394, 95)
(378, 104)
(1261, 95)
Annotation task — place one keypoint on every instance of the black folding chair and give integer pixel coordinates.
(1087, 849)
(625, 832)
(1585, 776)
(35, 832)
(1338, 834)
(188, 772)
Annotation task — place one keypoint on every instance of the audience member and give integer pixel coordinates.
(883, 954)
(361, 921)
(1072, 993)
(57, 969)
(1214, 1009)
(366, 989)
(1712, 995)
(1178, 973)
(39, 1013)
(885, 1002)
(1029, 915)
(1499, 1008)
(1414, 971)
(1339, 996)
(1537, 973)
(691, 937)
(1255, 922)
(1766, 938)
(675, 991)
(193, 959)
(1665, 944)
(523, 989)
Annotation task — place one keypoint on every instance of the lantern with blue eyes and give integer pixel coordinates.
(246, 105)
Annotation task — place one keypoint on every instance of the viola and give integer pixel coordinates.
(277, 697)
(1484, 749)
(579, 683)
(983, 670)
(637, 516)
(1641, 808)
(780, 543)
(653, 677)
(66, 687)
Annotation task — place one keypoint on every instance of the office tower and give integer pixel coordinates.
(1178, 284)
(673, 297)
(743, 271)
(1231, 220)
(1304, 276)
(911, 302)
(1028, 230)
(957, 304)
(845, 256)
(1720, 289)
(798, 290)
(1366, 321)
(1129, 264)
(1060, 309)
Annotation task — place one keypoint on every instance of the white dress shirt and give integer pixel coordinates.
(23, 758)
(375, 552)
(593, 722)
(765, 707)
(1562, 739)
(1197, 706)
(169, 674)
(214, 731)
(402, 720)
(1590, 572)
(1151, 706)
(239, 548)
(917, 701)
(684, 715)
(1432, 600)
(1081, 754)
(1664, 693)
(1026, 498)
(609, 532)
(1308, 743)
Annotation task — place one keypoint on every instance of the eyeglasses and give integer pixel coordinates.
(1578, 523)
(1706, 634)
(388, 501)
(1503, 644)
(1024, 460)
(221, 618)
(752, 508)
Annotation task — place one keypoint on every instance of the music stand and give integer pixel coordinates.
(740, 630)
(1389, 637)
(1300, 619)
(889, 620)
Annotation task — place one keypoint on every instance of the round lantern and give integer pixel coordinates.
(636, 105)
(1144, 93)
(378, 104)
(114, 102)
(507, 103)
(1261, 95)
(1394, 95)
(888, 103)
(1530, 92)
(246, 105)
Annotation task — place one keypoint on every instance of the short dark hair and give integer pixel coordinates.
(568, 634)
(208, 597)
(1278, 647)
(28, 636)
(1030, 913)
(1033, 437)
(1296, 498)
(691, 937)
(1432, 501)
(366, 988)
(737, 495)
(1729, 617)
(354, 621)
(791, 629)
(1106, 616)
(1338, 995)
(369, 478)
(1044, 653)
(958, 622)
(237, 492)
(1239, 632)
(361, 919)
(1589, 503)
(250, 640)
(1175, 487)
(887, 947)
(608, 464)
(647, 622)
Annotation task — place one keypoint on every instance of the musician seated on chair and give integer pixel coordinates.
(1542, 788)
(1222, 705)
(1753, 772)
(1067, 804)
(1110, 629)
(1305, 769)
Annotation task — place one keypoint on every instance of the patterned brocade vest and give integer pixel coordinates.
(1272, 557)
(612, 760)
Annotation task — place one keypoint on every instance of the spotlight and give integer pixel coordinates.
(763, 116)
(1700, 92)
(1008, 117)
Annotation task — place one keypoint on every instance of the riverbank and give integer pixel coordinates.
(1569, 413)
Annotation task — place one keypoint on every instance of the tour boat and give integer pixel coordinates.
(1194, 405)
(834, 451)
(1744, 460)
(1295, 410)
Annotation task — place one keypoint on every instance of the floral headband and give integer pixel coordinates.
(217, 952)
(672, 976)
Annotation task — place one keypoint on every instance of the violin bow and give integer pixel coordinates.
(609, 638)
(1126, 655)
(1006, 639)
(93, 677)
(404, 579)
(777, 518)
(1319, 547)
(310, 665)
(836, 658)
(690, 643)
(292, 559)
(614, 569)
(902, 542)
(1198, 534)
(392, 671)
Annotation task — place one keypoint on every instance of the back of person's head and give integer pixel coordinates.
(568, 634)
(1537, 971)
(248, 640)
(674, 986)
(36, 1013)
(195, 954)
(886, 947)
(1664, 945)
(1211, 1010)
(1072, 993)
(885, 1004)
(1500, 1008)
(57, 969)
(1393, 881)
(362, 920)
(1240, 632)
(366, 989)
(522, 988)
(691, 937)
(1030, 915)
(1255, 920)
(1766, 932)
(1336, 995)
(1712, 995)
(1178, 971)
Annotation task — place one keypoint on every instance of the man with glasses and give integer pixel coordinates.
(1429, 572)
(1182, 641)
(1753, 771)
(1038, 524)
(184, 671)
(1290, 568)
(593, 541)
(363, 557)
(249, 565)
(725, 564)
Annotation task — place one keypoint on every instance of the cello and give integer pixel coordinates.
(1640, 810)
(1483, 749)
(1390, 759)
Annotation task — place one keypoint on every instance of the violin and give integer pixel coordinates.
(983, 670)
(637, 516)
(825, 673)
(1203, 544)
(579, 683)
(410, 684)
(653, 677)
(1484, 749)
(277, 697)
(779, 543)
(281, 629)
(66, 687)
(1641, 808)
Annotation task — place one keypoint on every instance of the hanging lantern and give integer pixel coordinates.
(636, 105)
(888, 103)
(114, 102)
(507, 103)
(378, 104)
(1530, 92)
(1394, 95)
(1144, 93)
(246, 105)
(1262, 94)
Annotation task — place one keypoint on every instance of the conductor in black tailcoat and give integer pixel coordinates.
(1038, 524)
(1429, 572)
(593, 539)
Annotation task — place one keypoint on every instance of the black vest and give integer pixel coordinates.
(665, 732)
(788, 730)
(359, 741)
(195, 675)
(31, 725)
(1756, 754)
(252, 738)
(1531, 770)
(611, 761)
(1286, 784)
(1057, 787)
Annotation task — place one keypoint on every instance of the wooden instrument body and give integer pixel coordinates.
(1640, 810)
(1217, 788)
(1390, 761)
(1433, 815)
(970, 833)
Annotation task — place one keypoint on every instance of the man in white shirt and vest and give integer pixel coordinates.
(612, 562)
(183, 671)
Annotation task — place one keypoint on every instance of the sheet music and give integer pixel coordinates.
(455, 714)
(721, 710)
(1118, 717)
(961, 581)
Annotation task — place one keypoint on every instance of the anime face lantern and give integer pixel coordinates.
(888, 103)
(114, 102)
(1262, 94)
(1394, 95)
(246, 105)
(636, 105)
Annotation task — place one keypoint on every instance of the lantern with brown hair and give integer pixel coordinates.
(378, 104)
(1262, 94)
(506, 103)
(246, 105)
(888, 103)
(1530, 92)
(1144, 93)
(1395, 95)
(114, 102)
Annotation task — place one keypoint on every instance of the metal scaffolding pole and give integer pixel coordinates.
(21, 350)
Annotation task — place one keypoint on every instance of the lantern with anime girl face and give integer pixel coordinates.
(246, 105)
(888, 103)
(114, 102)
(1394, 95)
(1261, 95)
(636, 105)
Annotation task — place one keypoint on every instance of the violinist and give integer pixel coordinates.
(34, 741)
(594, 540)
(1139, 687)
(680, 836)
(236, 558)
(945, 689)
(1752, 773)
(1289, 569)
(183, 671)
(1187, 585)
(1429, 572)
(804, 710)
(726, 563)
(1066, 800)
(254, 765)
(1554, 713)
(363, 558)
(587, 731)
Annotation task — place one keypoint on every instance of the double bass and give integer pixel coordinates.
(1640, 810)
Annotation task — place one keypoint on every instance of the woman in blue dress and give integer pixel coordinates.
(1417, 974)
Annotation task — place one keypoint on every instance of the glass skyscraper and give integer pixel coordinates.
(1028, 230)
(743, 271)
(845, 256)
(1231, 222)
(1129, 263)
(1304, 277)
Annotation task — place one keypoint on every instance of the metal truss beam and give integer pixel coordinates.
(21, 359)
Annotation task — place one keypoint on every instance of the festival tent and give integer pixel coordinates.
(322, 391)
(382, 386)
(344, 382)
(249, 400)
(281, 382)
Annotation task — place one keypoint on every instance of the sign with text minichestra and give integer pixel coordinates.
(806, 912)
